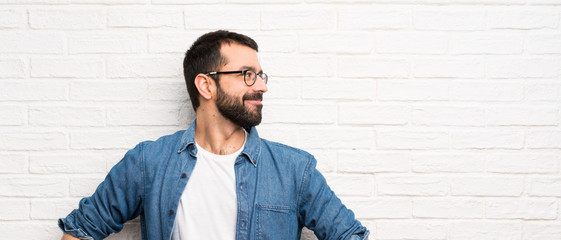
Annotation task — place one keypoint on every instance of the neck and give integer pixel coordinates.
(216, 134)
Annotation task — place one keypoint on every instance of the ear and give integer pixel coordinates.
(205, 85)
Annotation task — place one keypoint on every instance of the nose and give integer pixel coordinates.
(260, 85)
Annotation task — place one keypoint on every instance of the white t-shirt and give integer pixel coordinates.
(208, 207)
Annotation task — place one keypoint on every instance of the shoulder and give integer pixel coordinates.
(171, 140)
(285, 153)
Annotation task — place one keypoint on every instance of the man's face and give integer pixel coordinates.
(236, 101)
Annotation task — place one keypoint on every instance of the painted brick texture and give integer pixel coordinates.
(431, 119)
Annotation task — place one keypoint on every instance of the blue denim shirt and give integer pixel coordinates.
(278, 188)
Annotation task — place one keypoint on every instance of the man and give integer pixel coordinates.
(218, 179)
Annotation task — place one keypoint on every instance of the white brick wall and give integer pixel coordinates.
(432, 119)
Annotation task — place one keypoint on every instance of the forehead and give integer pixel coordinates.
(238, 56)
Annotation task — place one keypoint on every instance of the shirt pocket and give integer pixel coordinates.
(276, 222)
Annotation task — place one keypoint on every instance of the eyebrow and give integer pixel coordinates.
(250, 68)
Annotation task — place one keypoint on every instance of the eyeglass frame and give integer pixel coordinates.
(265, 79)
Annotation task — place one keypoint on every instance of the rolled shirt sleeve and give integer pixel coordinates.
(116, 200)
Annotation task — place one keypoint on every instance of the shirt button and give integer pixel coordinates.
(242, 224)
(241, 186)
(183, 175)
(171, 212)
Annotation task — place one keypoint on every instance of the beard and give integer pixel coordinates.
(235, 111)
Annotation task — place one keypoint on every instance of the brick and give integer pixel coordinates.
(12, 68)
(84, 186)
(448, 67)
(134, 67)
(448, 116)
(485, 230)
(33, 140)
(415, 230)
(33, 186)
(487, 186)
(300, 113)
(107, 43)
(283, 88)
(233, 17)
(13, 163)
(276, 42)
(22, 230)
(411, 139)
(284, 135)
(522, 18)
(521, 209)
(114, 138)
(450, 208)
(373, 18)
(543, 139)
(351, 185)
(543, 43)
(377, 114)
(66, 162)
(380, 208)
(537, 115)
(67, 67)
(176, 42)
(355, 89)
(527, 67)
(487, 43)
(447, 162)
(33, 90)
(372, 162)
(345, 42)
(64, 115)
(487, 90)
(31, 42)
(411, 42)
(541, 90)
(112, 2)
(177, 2)
(290, 65)
(167, 90)
(131, 230)
(13, 18)
(262, 1)
(487, 139)
(545, 187)
(144, 18)
(542, 231)
(67, 18)
(13, 115)
(326, 160)
(449, 19)
(544, 2)
(297, 18)
(340, 138)
(114, 90)
(150, 115)
(14, 209)
(46, 209)
(411, 185)
(35, 1)
(373, 67)
(425, 90)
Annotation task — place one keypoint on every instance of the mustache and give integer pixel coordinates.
(253, 96)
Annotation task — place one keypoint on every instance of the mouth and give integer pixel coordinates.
(256, 98)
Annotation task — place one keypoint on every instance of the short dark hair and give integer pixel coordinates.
(204, 56)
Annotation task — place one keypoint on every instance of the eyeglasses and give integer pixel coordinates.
(249, 77)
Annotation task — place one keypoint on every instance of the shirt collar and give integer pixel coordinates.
(252, 148)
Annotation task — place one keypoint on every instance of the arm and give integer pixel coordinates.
(67, 236)
(322, 211)
(116, 200)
